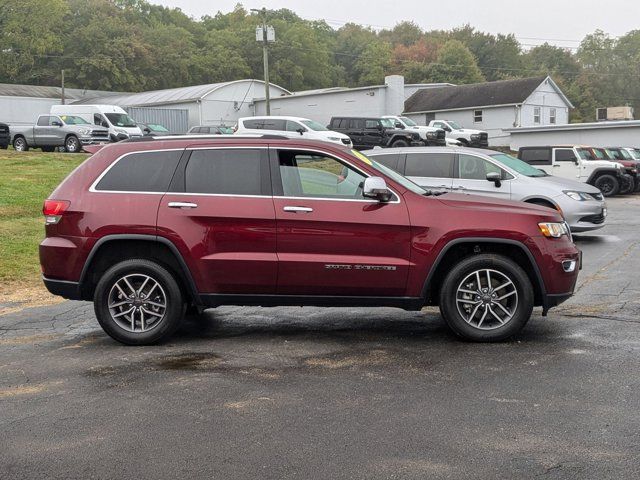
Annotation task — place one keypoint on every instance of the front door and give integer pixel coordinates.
(331, 240)
(565, 164)
(220, 215)
(373, 133)
(471, 173)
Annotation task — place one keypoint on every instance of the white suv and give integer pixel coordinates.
(292, 127)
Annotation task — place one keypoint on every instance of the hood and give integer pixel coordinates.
(469, 130)
(567, 184)
(508, 207)
(331, 133)
(424, 128)
(93, 128)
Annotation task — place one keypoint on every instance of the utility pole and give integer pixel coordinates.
(268, 35)
(62, 99)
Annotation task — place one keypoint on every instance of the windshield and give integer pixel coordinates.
(156, 127)
(73, 120)
(585, 154)
(408, 122)
(518, 165)
(315, 126)
(121, 120)
(405, 182)
(600, 154)
(387, 123)
(455, 125)
(625, 155)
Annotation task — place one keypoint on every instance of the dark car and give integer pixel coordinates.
(147, 228)
(210, 130)
(153, 129)
(370, 132)
(5, 136)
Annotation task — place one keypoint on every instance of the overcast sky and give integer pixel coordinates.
(562, 22)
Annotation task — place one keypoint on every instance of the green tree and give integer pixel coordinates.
(455, 64)
(374, 64)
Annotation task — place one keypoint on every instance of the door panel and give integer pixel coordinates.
(226, 229)
(331, 241)
(564, 164)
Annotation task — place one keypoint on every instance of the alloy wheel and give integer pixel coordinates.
(137, 303)
(487, 299)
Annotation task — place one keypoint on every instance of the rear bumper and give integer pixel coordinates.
(63, 288)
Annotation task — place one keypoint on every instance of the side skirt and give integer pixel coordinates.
(216, 300)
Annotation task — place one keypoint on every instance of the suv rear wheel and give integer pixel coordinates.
(607, 184)
(486, 298)
(138, 302)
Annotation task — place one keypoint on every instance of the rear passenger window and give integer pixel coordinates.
(269, 124)
(439, 165)
(224, 171)
(388, 160)
(356, 123)
(371, 124)
(253, 124)
(141, 172)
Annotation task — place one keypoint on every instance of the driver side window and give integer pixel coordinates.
(306, 174)
(565, 155)
(471, 167)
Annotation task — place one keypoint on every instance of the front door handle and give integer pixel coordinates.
(182, 205)
(298, 209)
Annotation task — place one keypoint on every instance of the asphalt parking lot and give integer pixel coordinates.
(335, 393)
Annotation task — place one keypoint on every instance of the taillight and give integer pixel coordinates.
(53, 210)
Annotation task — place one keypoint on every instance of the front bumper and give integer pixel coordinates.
(482, 143)
(441, 142)
(93, 140)
(583, 216)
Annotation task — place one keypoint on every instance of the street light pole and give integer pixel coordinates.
(265, 55)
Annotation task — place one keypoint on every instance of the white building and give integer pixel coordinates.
(321, 105)
(493, 107)
(597, 134)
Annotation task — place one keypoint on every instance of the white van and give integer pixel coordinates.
(121, 126)
(293, 127)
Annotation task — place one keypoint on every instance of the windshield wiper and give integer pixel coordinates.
(434, 193)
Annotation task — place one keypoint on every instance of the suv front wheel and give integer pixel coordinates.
(486, 298)
(138, 302)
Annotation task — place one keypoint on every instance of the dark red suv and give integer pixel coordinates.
(147, 229)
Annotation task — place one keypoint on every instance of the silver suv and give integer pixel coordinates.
(496, 174)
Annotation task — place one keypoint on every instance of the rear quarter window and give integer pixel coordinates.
(536, 156)
(141, 172)
(388, 160)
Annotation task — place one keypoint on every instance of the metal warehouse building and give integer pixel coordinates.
(211, 104)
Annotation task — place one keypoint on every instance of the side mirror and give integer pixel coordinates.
(376, 187)
(380, 127)
(399, 125)
(300, 130)
(495, 177)
(56, 123)
(147, 130)
(446, 129)
(575, 160)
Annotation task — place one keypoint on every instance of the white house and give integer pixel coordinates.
(493, 106)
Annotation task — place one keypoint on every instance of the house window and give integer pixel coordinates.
(552, 116)
(477, 116)
(536, 115)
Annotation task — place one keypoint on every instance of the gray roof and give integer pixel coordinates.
(37, 91)
(160, 97)
(503, 92)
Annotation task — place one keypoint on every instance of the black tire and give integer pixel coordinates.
(135, 270)
(4, 146)
(399, 143)
(20, 144)
(607, 184)
(72, 144)
(626, 185)
(520, 304)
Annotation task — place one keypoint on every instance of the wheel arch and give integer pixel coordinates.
(456, 249)
(601, 171)
(113, 248)
(538, 198)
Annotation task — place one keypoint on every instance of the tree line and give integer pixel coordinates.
(133, 45)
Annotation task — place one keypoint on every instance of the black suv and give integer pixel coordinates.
(369, 132)
(5, 136)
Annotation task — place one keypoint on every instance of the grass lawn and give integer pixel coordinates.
(26, 179)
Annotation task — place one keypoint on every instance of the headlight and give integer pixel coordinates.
(554, 229)
(579, 196)
(475, 136)
(431, 134)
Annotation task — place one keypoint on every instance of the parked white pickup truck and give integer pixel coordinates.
(467, 136)
(52, 131)
(429, 135)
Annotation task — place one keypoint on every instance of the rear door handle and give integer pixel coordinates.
(298, 209)
(182, 205)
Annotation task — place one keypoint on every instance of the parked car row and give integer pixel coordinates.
(609, 169)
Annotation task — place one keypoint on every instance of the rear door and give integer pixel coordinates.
(355, 130)
(471, 177)
(220, 215)
(331, 240)
(373, 133)
(433, 171)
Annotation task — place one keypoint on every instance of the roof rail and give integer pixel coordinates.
(204, 137)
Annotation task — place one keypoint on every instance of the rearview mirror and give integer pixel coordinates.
(376, 187)
(55, 123)
(495, 177)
